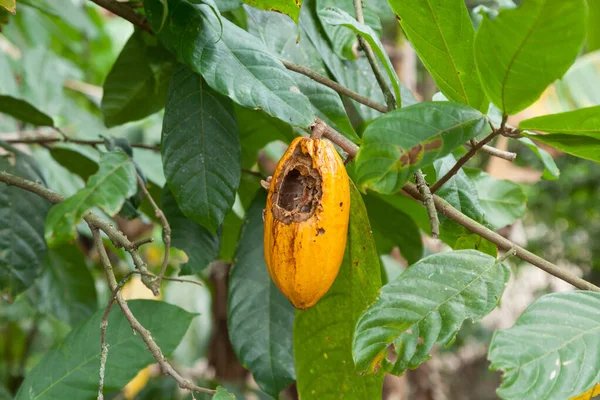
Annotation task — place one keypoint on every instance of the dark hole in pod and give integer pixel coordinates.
(299, 192)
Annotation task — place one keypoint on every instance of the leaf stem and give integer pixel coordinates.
(387, 93)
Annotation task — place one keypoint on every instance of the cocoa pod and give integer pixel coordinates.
(306, 220)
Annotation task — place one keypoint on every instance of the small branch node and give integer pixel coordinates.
(427, 198)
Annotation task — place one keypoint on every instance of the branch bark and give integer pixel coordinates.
(165, 225)
(334, 85)
(165, 366)
(387, 93)
(434, 221)
(463, 160)
(65, 139)
(125, 12)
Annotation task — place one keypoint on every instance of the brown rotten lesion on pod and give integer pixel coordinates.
(297, 190)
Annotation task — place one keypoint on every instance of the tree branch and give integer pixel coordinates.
(165, 224)
(429, 204)
(165, 366)
(446, 208)
(387, 93)
(334, 85)
(66, 139)
(492, 151)
(463, 160)
(125, 12)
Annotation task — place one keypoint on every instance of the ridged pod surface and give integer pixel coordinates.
(306, 220)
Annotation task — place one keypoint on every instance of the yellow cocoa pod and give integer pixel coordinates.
(306, 220)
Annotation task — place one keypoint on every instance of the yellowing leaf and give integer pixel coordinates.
(137, 384)
(590, 394)
(10, 5)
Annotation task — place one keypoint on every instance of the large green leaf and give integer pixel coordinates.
(552, 350)
(593, 29)
(574, 132)
(23, 111)
(260, 319)
(115, 181)
(525, 49)
(393, 227)
(442, 35)
(71, 370)
(256, 130)
(323, 333)
(425, 305)
(279, 34)
(287, 7)
(502, 201)
(402, 141)
(200, 245)
(585, 121)
(200, 149)
(22, 215)
(343, 41)
(354, 75)
(66, 287)
(138, 82)
(231, 61)
(338, 17)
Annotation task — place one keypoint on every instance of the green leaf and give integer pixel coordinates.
(402, 141)
(593, 29)
(200, 245)
(223, 394)
(80, 160)
(338, 17)
(350, 74)
(443, 38)
(551, 171)
(525, 49)
(260, 318)
(279, 34)
(502, 201)
(200, 149)
(425, 305)
(138, 82)
(343, 41)
(10, 5)
(261, 81)
(552, 350)
(577, 89)
(66, 286)
(115, 181)
(287, 7)
(23, 111)
(256, 130)
(574, 132)
(323, 333)
(585, 121)
(22, 215)
(71, 370)
(462, 194)
(392, 227)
